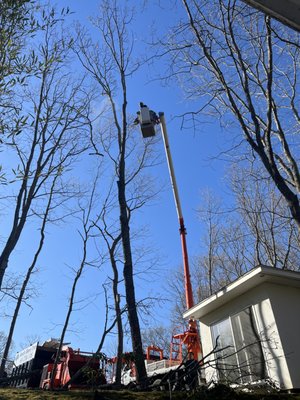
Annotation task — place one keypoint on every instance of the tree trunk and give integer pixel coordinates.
(12, 241)
(8, 249)
(119, 320)
(141, 374)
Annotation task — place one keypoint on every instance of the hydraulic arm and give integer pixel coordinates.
(148, 119)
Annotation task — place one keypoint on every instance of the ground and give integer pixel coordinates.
(219, 393)
(22, 394)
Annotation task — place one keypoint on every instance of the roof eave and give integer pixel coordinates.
(246, 282)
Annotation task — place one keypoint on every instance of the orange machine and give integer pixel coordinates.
(70, 362)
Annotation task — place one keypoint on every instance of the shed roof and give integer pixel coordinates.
(246, 282)
(287, 11)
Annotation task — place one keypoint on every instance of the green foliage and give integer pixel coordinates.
(3, 180)
(24, 58)
(17, 25)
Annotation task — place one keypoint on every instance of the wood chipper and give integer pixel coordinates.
(70, 362)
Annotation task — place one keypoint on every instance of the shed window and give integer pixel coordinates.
(239, 356)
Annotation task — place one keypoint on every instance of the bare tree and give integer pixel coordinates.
(29, 340)
(145, 261)
(255, 228)
(85, 233)
(176, 293)
(7, 357)
(21, 294)
(241, 66)
(269, 230)
(110, 62)
(227, 252)
(159, 336)
(210, 215)
(3, 339)
(54, 134)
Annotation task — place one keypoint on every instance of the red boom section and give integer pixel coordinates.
(190, 338)
(187, 277)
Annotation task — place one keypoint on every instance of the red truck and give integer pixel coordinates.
(69, 363)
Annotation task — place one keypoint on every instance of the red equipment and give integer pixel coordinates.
(154, 349)
(190, 338)
(70, 362)
(148, 119)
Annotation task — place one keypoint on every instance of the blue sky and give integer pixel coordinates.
(195, 171)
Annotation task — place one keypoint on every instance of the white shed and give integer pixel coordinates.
(255, 323)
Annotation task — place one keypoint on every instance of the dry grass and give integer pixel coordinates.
(22, 394)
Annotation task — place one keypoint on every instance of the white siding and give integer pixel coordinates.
(285, 302)
(258, 298)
